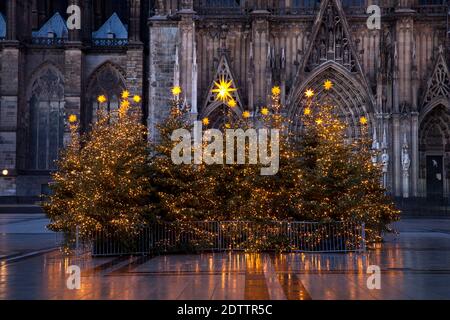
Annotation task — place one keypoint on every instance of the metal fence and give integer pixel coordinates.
(236, 235)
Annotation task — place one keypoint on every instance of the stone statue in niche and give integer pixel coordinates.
(406, 163)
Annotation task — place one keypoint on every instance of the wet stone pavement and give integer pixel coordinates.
(415, 264)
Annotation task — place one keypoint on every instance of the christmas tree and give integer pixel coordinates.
(103, 183)
(339, 180)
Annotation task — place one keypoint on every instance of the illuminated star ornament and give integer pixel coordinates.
(125, 104)
(276, 91)
(328, 85)
(137, 99)
(264, 111)
(72, 118)
(223, 89)
(205, 121)
(101, 99)
(125, 94)
(363, 120)
(309, 93)
(176, 91)
(246, 114)
(307, 111)
(232, 103)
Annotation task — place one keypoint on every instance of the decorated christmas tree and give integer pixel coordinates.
(339, 180)
(104, 184)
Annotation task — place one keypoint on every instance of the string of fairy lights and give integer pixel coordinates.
(111, 183)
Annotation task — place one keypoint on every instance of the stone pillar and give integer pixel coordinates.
(135, 68)
(162, 47)
(9, 93)
(74, 34)
(260, 40)
(135, 21)
(11, 20)
(414, 153)
(73, 93)
(186, 52)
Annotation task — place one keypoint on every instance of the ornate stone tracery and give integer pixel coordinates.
(438, 85)
(212, 105)
(46, 107)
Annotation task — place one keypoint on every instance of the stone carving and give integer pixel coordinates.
(332, 41)
(439, 83)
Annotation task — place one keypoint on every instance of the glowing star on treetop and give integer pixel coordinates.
(328, 85)
(363, 120)
(276, 91)
(137, 99)
(205, 121)
(246, 114)
(176, 91)
(125, 94)
(101, 99)
(232, 103)
(309, 93)
(124, 104)
(72, 118)
(223, 89)
(264, 111)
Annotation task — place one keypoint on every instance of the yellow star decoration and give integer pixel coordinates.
(205, 121)
(227, 125)
(307, 111)
(319, 121)
(328, 85)
(124, 104)
(246, 114)
(176, 91)
(363, 120)
(137, 99)
(232, 103)
(72, 118)
(309, 93)
(101, 99)
(264, 111)
(223, 89)
(125, 94)
(276, 91)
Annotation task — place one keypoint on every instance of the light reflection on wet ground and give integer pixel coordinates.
(414, 265)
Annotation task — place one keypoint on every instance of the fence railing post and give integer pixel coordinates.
(363, 237)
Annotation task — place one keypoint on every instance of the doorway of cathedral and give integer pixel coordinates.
(435, 177)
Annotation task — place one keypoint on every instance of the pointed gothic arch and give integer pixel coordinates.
(45, 101)
(438, 86)
(213, 108)
(108, 80)
(347, 95)
(331, 46)
(434, 151)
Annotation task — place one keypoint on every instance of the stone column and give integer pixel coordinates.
(162, 47)
(186, 51)
(73, 75)
(414, 153)
(74, 35)
(11, 20)
(9, 96)
(260, 40)
(135, 21)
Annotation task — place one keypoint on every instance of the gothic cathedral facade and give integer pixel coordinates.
(397, 76)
